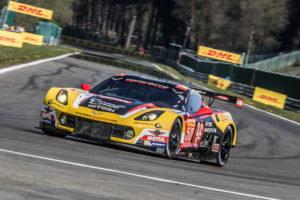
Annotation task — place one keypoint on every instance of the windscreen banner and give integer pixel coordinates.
(218, 82)
(30, 10)
(11, 39)
(33, 39)
(269, 97)
(219, 55)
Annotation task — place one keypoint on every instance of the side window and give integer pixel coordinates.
(194, 103)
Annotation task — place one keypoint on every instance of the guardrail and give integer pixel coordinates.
(243, 89)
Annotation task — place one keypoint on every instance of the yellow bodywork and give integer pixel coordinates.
(223, 122)
(165, 120)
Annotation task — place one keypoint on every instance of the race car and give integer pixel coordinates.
(155, 115)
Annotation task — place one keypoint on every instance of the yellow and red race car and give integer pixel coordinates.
(159, 116)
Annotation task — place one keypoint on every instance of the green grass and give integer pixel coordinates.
(12, 55)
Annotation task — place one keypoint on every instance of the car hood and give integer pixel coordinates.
(111, 104)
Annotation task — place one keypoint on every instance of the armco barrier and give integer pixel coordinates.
(240, 88)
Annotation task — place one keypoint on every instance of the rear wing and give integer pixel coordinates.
(213, 95)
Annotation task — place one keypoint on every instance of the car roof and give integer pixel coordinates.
(152, 80)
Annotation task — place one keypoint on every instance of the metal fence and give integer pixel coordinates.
(240, 88)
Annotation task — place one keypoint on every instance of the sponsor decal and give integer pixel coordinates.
(30, 10)
(158, 125)
(152, 138)
(215, 147)
(147, 83)
(210, 130)
(11, 39)
(160, 150)
(115, 99)
(208, 124)
(83, 114)
(156, 144)
(99, 104)
(33, 38)
(269, 97)
(157, 132)
(191, 122)
(199, 133)
(222, 117)
(218, 82)
(219, 55)
(144, 123)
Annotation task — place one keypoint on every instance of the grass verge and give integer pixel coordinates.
(12, 55)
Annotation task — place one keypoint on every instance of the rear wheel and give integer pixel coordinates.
(173, 139)
(224, 148)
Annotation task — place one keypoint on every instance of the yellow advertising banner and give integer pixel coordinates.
(30, 10)
(11, 39)
(269, 97)
(33, 38)
(219, 55)
(218, 82)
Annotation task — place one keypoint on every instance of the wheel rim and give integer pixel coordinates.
(225, 147)
(174, 139)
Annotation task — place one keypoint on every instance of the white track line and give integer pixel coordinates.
(16, 67)
(135, 175)
(283, 118)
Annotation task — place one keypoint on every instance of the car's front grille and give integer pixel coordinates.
(92, 129)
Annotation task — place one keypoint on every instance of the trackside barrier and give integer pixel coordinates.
(240, 88)
(278, 62)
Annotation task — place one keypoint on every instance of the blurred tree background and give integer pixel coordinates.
(260, 26)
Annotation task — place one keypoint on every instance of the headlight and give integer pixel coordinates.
(62, 97)
(150, 116)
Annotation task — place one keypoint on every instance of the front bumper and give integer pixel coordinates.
(145, 135)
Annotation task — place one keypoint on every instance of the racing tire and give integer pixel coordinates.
(173, 143)
(59, 135)
(225, 146)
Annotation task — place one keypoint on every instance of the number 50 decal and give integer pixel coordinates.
(198, 134)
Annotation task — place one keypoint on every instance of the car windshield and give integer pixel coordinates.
(144, 91)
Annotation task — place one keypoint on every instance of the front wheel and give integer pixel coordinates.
(173, 139)
(224, 148)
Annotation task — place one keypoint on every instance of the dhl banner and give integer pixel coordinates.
(11, 39)
(33, 38)
(30, 10)
(218, 82)
(219, 55)
(269, 97)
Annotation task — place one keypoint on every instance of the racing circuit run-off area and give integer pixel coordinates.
(37, 165)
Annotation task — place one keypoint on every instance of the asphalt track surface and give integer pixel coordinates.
(264, 165)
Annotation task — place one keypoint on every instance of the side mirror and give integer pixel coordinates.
(86, 87)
